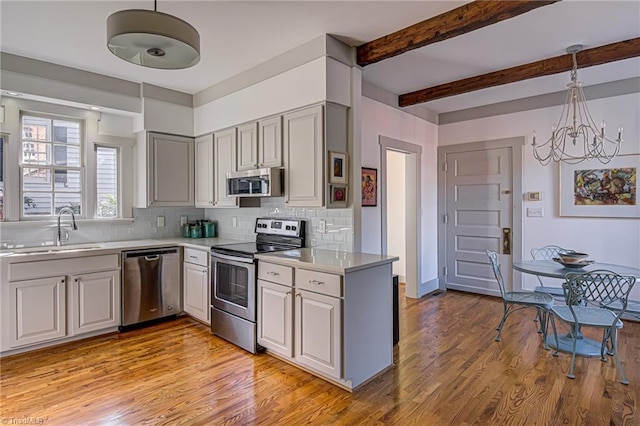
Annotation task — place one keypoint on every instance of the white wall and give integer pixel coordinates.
(380, 119)
(396, 211)
(609, 240)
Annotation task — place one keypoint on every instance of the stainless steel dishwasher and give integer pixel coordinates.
(150, 284)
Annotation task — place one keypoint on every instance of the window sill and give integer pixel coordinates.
(65, 219)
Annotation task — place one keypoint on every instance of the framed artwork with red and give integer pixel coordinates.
(369, 187)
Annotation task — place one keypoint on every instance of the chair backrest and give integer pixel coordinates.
(599, 288)
(548, 252)
(493, 259)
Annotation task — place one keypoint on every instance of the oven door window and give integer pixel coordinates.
(232, 284)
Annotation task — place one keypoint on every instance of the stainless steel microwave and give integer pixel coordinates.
(265, 182)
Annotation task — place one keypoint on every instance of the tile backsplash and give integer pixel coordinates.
(144, 226)
(339, 223)
(338, 235)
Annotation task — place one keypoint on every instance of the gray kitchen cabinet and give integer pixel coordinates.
(94, 301)
(224, 155)
(37, 311)
(204, 171)
(165, 170)
(196, 285)
(260, 144)
(304, 157)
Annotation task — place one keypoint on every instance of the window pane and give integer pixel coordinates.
(36, 204)
(36, 153)
(65, 155)
(66, 131)
(34, 179)
(107, 181)
(73, 201)
(36, 128)
(67, 180)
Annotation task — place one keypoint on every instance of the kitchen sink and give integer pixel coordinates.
(56, 249)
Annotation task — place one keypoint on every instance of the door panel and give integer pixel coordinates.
(479, 204)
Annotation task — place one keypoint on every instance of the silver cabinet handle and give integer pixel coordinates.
(193, 257)
(316, 282)
(299, 295)
(273, 273)
(150, 258)
(289, 292)
(76, 280)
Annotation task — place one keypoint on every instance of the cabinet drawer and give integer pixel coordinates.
(68, 266)
(275, 273)
(197, 257)
(319, 282)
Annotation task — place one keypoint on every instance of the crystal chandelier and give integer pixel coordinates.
(576, 137)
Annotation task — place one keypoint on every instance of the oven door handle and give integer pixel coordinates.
(231, 258)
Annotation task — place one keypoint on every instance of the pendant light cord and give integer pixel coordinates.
(155, 5)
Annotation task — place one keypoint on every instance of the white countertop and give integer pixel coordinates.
(334, 262)
(70, 250)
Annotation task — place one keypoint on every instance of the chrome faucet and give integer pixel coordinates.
(73, 221)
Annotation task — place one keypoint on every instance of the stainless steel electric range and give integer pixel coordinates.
(234, 276)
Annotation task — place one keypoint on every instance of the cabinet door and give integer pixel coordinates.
(248, 147)
(204, 171)
(318, 343)
(275, 320)
(270, 142)
(303, 157)
(196, 291)
(225, 161)
(37, 310)
(94, 301)
(170, 166)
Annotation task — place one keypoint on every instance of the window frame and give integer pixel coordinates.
(119, 192)
(52, 167)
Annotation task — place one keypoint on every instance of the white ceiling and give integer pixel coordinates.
(237, 35)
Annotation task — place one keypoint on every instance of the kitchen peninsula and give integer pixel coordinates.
(328, 312)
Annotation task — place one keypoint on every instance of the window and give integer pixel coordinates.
(107, 182)
(51, 167)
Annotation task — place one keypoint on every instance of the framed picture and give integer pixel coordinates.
(338, 167)
(593, 189)
(369, 187)
(338, 195)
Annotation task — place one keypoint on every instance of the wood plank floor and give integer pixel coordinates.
(449, 370)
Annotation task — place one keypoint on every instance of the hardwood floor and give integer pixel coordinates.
(449, 371)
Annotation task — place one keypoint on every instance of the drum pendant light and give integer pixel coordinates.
(153, 39)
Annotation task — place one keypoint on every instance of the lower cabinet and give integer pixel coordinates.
(275, 317)
(196, 291)
(95, 301)
(318, 342)
(37, 310)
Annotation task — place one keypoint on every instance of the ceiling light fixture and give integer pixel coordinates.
(153, 39)
(576, 137)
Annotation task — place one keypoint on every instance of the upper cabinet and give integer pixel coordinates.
(260, 144)
(165, 170)
(204, 171)
(224, 154)
(303, 157)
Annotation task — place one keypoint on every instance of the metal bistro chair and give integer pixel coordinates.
(515, 300)
(549, 252)
(588, 295)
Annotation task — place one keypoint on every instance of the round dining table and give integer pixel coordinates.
(549, 268)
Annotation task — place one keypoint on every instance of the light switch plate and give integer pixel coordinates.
(183, 220)
(322, 226)
(535, 212)
(160, 222)
(234, 222)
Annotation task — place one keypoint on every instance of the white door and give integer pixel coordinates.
(95, 301)
(478, 217)
(196, 291)
(37, 310)
(204, 171)
(275, 318)
(318, 332)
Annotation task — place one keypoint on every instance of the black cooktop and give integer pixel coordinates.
(249, 248)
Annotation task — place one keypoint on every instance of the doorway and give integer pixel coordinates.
(400, 175)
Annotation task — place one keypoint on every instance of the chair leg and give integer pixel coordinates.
(614, 348)
(539, 319)
(546, 316)
(605, 340)
(573, 356)
(555, 332)
(502, 321)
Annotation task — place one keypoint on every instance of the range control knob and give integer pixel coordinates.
(293, 228)
(288, 228)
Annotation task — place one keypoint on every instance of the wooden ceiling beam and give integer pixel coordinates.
(462, 20)
(595, 56)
